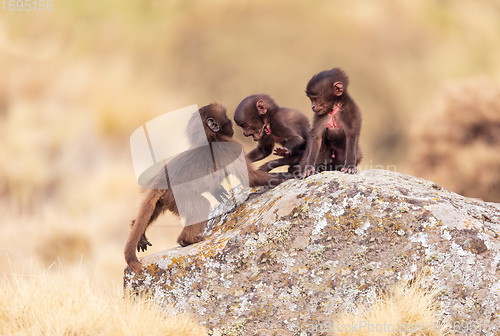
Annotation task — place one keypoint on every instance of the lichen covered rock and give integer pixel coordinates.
(312, 249)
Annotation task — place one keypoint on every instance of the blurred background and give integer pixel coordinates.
(77, 81)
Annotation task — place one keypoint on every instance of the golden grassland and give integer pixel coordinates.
(75, 83)
(404, 310)
(60, 304)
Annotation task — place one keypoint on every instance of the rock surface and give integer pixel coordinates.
(312, 249)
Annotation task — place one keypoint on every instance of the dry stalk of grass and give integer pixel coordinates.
(405, 310)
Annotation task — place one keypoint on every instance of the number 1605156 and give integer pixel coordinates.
(27, 5)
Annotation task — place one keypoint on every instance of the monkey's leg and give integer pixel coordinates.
(284, 161)
(325, 160)
(350, 155)
(330, 159)
(191, 234)
(359, 155)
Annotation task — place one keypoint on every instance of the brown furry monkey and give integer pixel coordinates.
(260, 117)
(336, 126)
(192, 165)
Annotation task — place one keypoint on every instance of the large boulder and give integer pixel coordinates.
(310, 250)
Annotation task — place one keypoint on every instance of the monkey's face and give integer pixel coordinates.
(227, 126)
(320, 105)
(323, 94)
(320, 95)
(216, 121)
(255, 130)
(253, 127)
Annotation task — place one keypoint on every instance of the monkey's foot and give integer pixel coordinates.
(143, 244)
(308, 172)
(349, 170)
(186, 242)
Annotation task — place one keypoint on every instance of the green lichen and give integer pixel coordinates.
(316, 253)
(235, 329)
(400, 260)
(360, 255)
(432, 257)
(282, 234)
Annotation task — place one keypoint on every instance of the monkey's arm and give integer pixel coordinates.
(292, 140)
(263, 149)
(146, 213)
(311, 154)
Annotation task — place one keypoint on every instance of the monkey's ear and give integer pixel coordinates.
(261, 107)
(338, 88)
(213, 125)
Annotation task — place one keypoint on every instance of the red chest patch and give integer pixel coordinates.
(332, 123)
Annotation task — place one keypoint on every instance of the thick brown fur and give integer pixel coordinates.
(156, 201)
(333, 141)
(268, 123)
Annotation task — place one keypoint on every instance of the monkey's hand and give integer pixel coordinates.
(308, 171)
(281, 151)
(143, 243)
(220, 194)
(349, 170)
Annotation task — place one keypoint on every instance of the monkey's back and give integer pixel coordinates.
(205, 165)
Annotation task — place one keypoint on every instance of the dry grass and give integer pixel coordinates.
(405, 310)
(59, 304)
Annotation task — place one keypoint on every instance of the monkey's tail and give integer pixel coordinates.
(139, 227)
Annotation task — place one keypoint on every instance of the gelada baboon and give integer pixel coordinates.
(192, 165)
(268, 123)
(333, 142)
